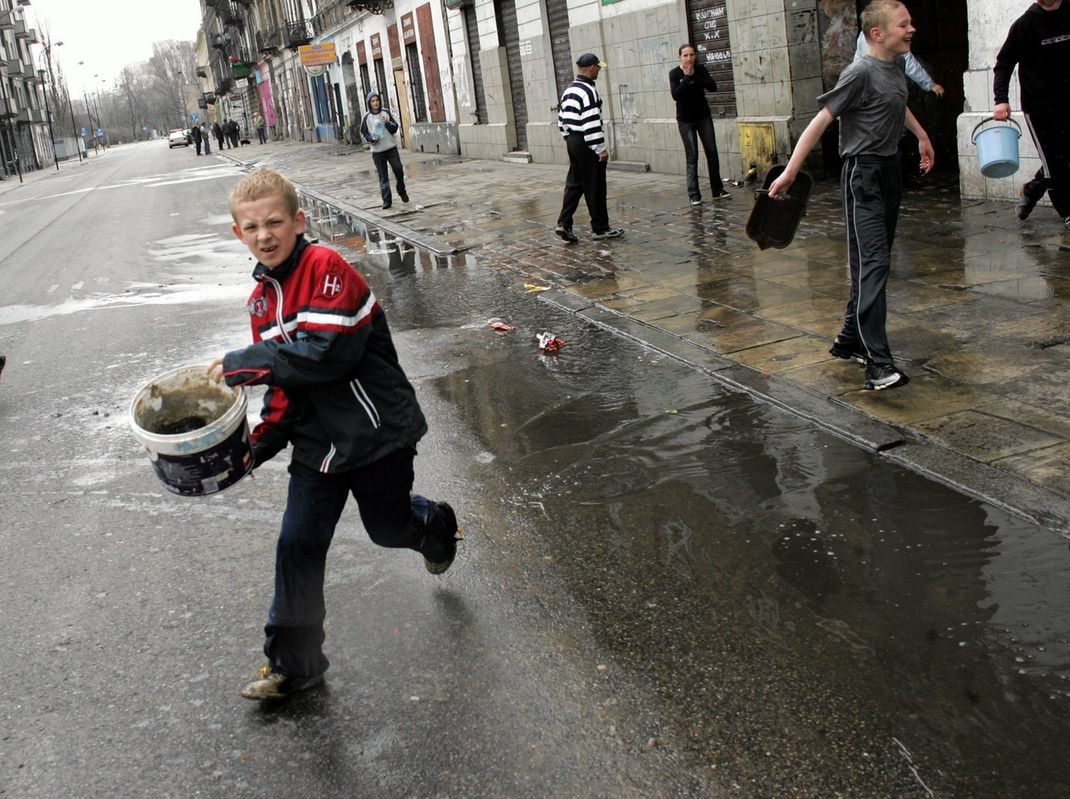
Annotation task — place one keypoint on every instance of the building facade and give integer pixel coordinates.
(25, 144)
(482, 78)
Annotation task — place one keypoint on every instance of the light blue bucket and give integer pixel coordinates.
(997, 148)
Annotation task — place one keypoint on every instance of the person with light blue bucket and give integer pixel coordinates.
(1039, 44)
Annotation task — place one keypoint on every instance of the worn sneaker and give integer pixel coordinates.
(848, 350)
(273, 685)
(385, 206)
(696, 201)
(403, 196)
(722, 195)
(1024, 206)
(612, 233)
(443, 523)
(566, 234)
(880, 376)
(1066, 223)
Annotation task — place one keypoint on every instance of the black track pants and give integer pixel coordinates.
(872, 189)
(1051, 134)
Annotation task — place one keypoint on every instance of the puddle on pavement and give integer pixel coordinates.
(807, 616)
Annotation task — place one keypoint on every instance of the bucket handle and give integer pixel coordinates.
(973, 136)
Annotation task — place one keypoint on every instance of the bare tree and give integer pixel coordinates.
(172, 67)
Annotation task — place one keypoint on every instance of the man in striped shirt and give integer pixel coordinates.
(579, 118)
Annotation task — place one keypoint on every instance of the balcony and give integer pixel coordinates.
(20, 29)
(299, 33)
(371, 6)
(268, 42)
(219, 41)
(232, 14)
(7, 108)
(223, 86)
(27, 116)
(7, 21)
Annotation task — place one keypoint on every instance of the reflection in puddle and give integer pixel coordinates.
(809, 617)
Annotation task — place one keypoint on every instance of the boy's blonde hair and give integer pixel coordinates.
(876, 15)
(264, 183)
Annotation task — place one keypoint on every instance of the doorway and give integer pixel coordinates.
(403, 104)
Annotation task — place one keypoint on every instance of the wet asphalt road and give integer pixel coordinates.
(667, 589)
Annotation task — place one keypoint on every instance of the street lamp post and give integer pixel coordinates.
(48, 110)
(70, 106)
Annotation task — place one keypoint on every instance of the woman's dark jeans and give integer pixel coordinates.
(702, 130)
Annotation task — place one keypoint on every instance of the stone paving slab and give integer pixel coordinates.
(979, 303)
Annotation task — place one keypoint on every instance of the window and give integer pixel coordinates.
(380, 80)
(416, 82)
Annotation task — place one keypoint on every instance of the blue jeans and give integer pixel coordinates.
(703, 131)
(393, 158)
(392, 517)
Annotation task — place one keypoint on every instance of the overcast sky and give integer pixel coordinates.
(109, 35)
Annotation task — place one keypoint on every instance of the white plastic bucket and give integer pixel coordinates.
(997, 148)
(209, 450)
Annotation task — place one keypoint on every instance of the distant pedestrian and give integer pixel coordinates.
(378, 127)
(258, 123)
(579, 119)
(217, 131)
(195, 134)
(870, 100)
(337, 392)
(3, 363)
(206, 138)
(232, 132)
(688, 84)
(1039, 43)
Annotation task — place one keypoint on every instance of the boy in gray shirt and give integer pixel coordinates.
(870, 100)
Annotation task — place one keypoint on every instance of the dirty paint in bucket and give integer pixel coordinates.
(194, 430)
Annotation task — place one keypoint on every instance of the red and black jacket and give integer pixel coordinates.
(321, 342)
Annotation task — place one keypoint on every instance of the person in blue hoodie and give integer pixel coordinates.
(378, 127)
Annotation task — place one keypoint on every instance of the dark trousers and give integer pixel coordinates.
(587, 179)
(393, 158)
(1050, 131)
(197, 144)
(219, 139)
(392, 517)
(261, 134)
(232, 137)
(700, 131)
(872, 188)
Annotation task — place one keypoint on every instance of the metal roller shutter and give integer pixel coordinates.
(507, 29)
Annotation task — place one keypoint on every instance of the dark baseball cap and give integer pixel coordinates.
(589, 60)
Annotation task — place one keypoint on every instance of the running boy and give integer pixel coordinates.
(870, 99)
(337, 394)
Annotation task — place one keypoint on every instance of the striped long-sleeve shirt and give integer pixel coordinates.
(581, 112)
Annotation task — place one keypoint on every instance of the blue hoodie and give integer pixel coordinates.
(379, 129)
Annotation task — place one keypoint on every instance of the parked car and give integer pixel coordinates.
(178, 137)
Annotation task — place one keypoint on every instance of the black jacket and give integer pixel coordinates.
(321, 343)
(1039, 43)
(689, 92)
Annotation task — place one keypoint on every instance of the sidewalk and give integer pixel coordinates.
(979, 303)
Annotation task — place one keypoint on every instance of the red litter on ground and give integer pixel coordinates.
(548, 342)
(500, 325)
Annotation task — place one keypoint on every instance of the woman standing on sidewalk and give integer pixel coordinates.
(689, 83)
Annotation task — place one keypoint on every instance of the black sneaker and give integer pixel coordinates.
(566, 234)
(273, 685)
(848, 350)
(1025, 206)
(612, 233)
(696, 201)
(403, 196)
(385, 206)
(1066, 224)
(442, 525)
(3, 363)
(722, 195)
(880, 376)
